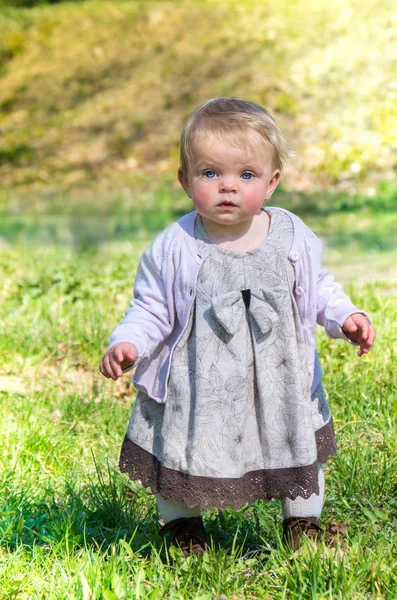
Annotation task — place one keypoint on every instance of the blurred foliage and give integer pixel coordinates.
(325, 203)
(348, 223)
(93, 94)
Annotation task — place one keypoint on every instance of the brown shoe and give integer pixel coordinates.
(188, 534)
(295, 527)
(334, 533)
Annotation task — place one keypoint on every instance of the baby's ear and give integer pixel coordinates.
(183, 180)
(275, 180)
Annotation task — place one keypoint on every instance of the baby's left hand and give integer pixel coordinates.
(359, 330)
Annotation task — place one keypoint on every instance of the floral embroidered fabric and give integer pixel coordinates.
(238, 406)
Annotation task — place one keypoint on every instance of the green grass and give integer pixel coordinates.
(72, 527)
(92, 98)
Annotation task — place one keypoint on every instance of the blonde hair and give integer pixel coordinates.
(233, 118)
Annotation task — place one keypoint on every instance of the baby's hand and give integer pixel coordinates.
(359, 330)
(119, 357)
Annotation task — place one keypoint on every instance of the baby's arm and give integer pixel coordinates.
(147, 322)
(340, 317)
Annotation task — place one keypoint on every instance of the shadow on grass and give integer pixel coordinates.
(95, 516)
(99, 515)
(252, 529)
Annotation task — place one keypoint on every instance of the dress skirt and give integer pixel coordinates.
(239, 423)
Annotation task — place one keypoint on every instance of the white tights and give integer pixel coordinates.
(310, 507)
(301, 507)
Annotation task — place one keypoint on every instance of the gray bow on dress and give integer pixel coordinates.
(230, 309)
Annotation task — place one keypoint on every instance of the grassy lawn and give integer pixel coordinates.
(92, 98)
(72, 527)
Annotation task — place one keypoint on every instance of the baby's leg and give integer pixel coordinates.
(301, 516)
(170, 510)
(310, 507)
(184, 525)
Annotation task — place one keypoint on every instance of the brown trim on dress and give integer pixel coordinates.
(206, 492)
(326, 442)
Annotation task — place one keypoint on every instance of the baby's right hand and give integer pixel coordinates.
(119, 357)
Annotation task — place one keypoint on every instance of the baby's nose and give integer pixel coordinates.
(228, 184)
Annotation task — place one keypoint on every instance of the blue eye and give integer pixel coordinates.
(247, 176)
(209, 174)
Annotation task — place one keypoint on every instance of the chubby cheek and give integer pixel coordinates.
(203, 195)
(254, 197)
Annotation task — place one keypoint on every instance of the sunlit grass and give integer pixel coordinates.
(92, 98)
(72, 527)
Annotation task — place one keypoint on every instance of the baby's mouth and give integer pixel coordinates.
(227, 203)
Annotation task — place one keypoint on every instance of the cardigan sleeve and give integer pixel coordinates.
(333, 305)
(147, 322)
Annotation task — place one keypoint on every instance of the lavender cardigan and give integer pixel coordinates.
(165, 289)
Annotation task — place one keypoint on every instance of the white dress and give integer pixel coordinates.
(238, 423)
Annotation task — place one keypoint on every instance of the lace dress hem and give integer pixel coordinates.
(193, 490)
